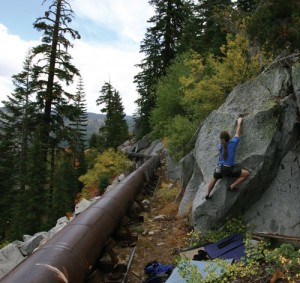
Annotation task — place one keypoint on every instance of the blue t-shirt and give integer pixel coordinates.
(231, 148)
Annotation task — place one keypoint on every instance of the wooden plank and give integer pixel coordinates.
(276, 236)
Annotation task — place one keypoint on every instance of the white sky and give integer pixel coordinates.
(111, 32)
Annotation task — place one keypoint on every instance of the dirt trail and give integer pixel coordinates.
(159, 239)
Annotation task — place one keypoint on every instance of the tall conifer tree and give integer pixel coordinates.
(78, 143)
(115, 130)
(17, 123)
(159, 46)
(20, 116)
(39, 126)
(275, 26)
(57, 61)
(56, 71)
(203, 31)
(78, 123)
(66, 185)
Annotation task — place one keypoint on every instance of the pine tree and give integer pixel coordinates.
(213, 36)
(78, 126)
(17, 124)
(33, 199)
(78, 123)
(203, 29)
(115, 129)
(31, 129)
(54, 72)
(275, 26)
(37, 198)
(95, 142)
(20, 116)
(66, 186)
(7, 182)
(56, 66)
(192, 30)
(159, 46)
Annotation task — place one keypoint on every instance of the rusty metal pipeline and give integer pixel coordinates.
(71, 254)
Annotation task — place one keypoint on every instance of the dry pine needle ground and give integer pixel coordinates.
(159, 238)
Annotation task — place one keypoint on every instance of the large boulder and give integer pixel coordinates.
(269, 143)
(154, 149)
(81, 206)
(31, 244)
(277, 212)
(10, 257)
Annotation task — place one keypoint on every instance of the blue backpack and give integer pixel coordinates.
(157, 271)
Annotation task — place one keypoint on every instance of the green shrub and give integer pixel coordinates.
(179, 134)
(285, 259)
(168, 192)
(260, 264)
(106, 166)
(103, 182)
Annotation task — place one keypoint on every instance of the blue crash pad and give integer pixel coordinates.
(231, 247)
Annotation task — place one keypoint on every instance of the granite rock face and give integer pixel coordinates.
(269, 149)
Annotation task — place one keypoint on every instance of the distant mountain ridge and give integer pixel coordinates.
(95, 121)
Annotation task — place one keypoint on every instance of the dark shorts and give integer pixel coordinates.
(232, 171)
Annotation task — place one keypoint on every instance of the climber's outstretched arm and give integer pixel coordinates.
(238, 127)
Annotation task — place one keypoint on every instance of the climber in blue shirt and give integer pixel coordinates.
(226, 166)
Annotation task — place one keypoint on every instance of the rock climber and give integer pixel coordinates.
(226, 166)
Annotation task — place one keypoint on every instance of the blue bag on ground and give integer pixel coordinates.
(157, 271)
